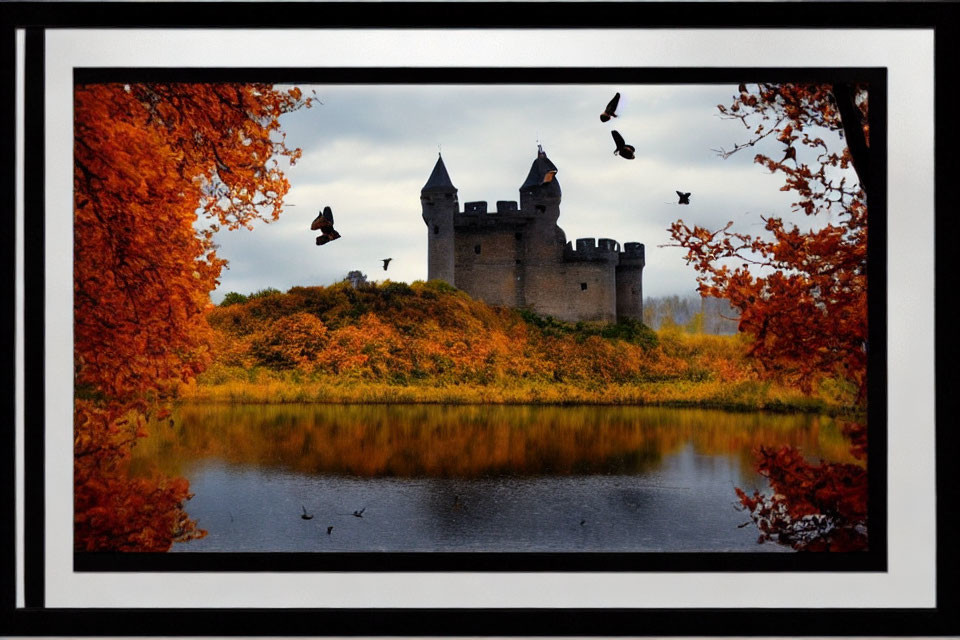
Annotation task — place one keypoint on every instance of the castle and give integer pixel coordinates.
(519, 257)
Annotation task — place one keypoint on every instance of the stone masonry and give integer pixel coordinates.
(517, 256)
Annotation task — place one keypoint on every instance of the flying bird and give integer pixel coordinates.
(790, 154)
(684, 197)
(610, 111)
(386, 262)
(624, 150)
(359, 513)
(324, 222)
(305, 515)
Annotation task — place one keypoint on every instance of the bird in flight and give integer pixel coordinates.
(359, 513)
(610, 111)
(324, 222)
(386, 262)
(790, 154)
(684, 197)
(305, 515)
(624, 150)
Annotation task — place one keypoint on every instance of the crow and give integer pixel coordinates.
(324, 222)
(684, 198)
(305, 515)
(624, 150)
(610, 111)
(386, 262)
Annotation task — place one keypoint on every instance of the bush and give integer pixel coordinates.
(233, 297)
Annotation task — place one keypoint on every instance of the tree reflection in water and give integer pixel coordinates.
(472, 441)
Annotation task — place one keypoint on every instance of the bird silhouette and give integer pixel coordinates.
(324, 222)
(359, 513)
(790, 154)
(684, 197)
(610, 111)
(305, 515)
(386, 262)
(624, 150)
(329, 529)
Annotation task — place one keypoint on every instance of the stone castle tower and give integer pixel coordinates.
(519, 257)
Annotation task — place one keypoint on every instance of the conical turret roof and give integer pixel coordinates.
(542, 174)
(439, 181)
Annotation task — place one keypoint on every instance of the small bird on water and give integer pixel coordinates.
(305, 515)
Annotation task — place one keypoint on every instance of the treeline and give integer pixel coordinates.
(693, 313)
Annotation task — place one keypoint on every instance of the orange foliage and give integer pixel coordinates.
(807, 314)
(814, 507)
(808, 317)
(418, 440)
(402, 333)
(147, 159)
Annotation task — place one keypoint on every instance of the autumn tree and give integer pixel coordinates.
(801, 293)
(149, 160)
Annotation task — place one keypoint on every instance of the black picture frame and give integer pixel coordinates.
(35, 619)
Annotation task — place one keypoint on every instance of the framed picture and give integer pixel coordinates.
(294, 397)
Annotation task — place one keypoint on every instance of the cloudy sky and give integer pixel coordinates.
(368, 150)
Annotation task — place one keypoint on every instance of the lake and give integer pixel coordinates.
(474, 478)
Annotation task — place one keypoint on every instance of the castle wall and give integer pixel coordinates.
(492, 275)
(630, 282)
(574, 291)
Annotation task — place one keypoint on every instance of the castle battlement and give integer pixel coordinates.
(517, 256)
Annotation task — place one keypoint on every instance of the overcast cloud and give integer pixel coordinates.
(368, 150)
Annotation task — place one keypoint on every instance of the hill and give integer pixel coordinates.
(428, 342)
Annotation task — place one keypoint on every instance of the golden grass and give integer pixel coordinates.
(277, 388)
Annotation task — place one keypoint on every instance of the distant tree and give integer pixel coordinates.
(356, 279)
(232, 297)
(801, 295)
(264, 293)
(147, 158)
(697, 314)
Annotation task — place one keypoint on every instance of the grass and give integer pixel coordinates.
(272, 387)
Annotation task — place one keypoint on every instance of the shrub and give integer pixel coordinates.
(233, 297)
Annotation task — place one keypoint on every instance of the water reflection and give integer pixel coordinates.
(473, 478)
(473, 441)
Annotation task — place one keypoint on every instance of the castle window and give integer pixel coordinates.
(519, 261)
(436, 229)
(518, 235)
(476, 249)
(583, 286)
